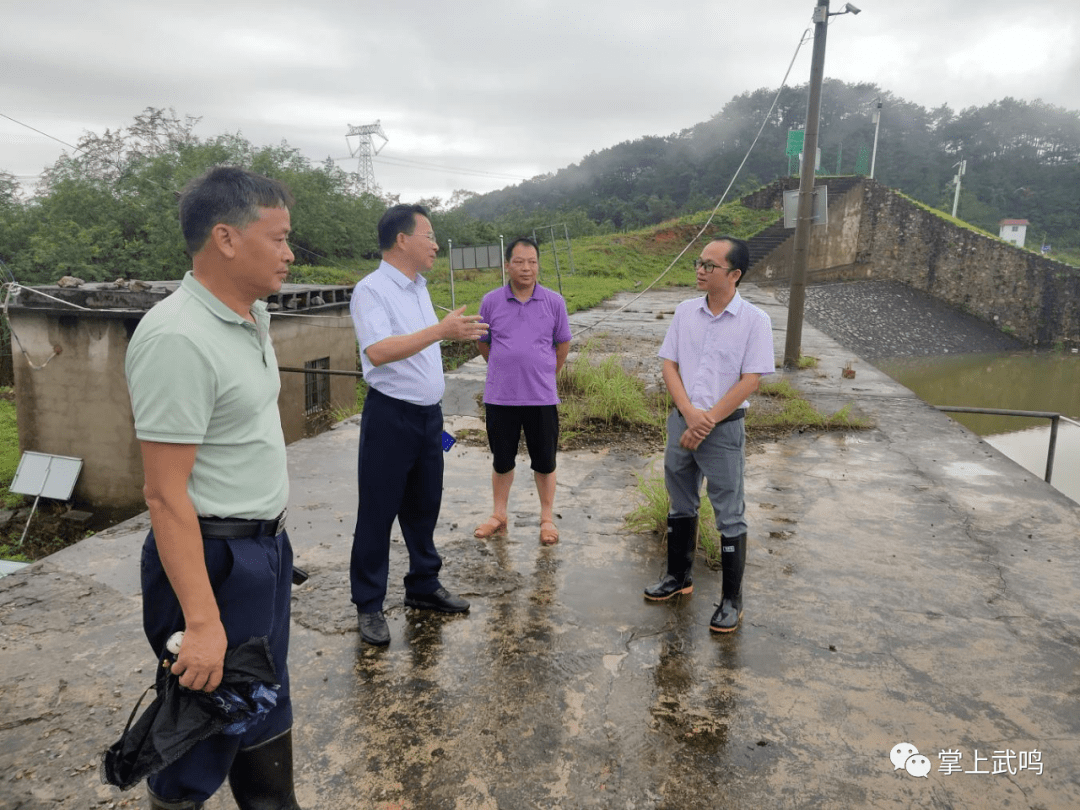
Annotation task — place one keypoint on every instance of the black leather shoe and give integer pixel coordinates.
(668, 587)
(373, 628)
(442, 600)
(727, 616)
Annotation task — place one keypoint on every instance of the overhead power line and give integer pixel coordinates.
(39, 132)
(414, 164)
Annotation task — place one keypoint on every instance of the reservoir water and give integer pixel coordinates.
(1016, 380)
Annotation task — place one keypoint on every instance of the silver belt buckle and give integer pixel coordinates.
(281, 522)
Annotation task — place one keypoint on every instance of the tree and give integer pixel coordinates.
(109, 209)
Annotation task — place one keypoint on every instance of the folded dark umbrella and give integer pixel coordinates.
(178, 718)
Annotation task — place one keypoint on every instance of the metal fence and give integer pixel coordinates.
(1054, 418)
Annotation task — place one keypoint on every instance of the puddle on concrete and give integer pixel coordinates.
(561, 683)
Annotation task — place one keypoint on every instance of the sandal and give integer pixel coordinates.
(549, 534)
(493, 525)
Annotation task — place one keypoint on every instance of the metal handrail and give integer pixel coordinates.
(1053, 417)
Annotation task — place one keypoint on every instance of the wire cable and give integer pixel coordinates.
(712, 214)
(10, 289)
(39, 132)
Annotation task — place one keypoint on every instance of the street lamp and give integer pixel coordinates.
(877, 126)
(959, 173)
(805, 216)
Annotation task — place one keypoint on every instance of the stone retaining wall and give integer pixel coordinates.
(1024, 294)
(876, 233)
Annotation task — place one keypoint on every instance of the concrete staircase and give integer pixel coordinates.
(766, 241)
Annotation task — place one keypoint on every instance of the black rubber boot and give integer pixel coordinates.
(158, 803)
(261, 778)
(733, 560)
(681, 547)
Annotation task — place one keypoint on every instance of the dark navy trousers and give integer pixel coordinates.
(252, 582)
(400, 474)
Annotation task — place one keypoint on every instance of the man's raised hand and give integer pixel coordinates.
(457, 326)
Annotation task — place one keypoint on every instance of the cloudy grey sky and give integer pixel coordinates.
(479, 94)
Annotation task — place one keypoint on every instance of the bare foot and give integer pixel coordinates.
(549, 534)
(493, 525)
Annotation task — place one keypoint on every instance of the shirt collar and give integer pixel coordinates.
(399, 278)
(532, 295)
(196, 290)
(734, 305)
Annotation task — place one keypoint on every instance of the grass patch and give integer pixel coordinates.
(604, 391)
(341, 414)
(790, 410)
(9, 449)
(605, 396)
(650, 515)
(11, 552)
(603, 265)
(806, 362)
(1070, 256)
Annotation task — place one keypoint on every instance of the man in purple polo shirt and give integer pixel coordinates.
(526, 346)
(715, 353)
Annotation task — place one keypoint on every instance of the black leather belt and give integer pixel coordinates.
(738, 413)
(233, 528)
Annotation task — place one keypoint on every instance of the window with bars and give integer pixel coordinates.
(316, 386)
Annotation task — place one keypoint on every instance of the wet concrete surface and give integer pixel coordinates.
(904, 584)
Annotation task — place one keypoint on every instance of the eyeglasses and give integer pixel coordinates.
(708, 267)
(429, 236)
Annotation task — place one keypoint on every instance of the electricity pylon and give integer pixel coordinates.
(365, 150)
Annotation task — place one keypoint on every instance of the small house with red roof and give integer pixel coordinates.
(1013, 230)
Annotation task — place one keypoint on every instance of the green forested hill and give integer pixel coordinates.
(1023, 161)
(109, 210)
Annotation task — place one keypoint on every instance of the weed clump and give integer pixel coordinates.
(604, 395)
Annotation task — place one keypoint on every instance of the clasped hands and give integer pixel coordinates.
(698, 426)
(457, 326)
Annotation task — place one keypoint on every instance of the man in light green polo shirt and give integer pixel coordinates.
(217, 562)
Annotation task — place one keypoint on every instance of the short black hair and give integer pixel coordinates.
(522, 240)
(229, 195)
(738, 255)
(399, 219)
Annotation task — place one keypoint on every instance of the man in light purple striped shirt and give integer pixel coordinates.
(715, 353)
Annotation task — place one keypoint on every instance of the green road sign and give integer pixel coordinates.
(794, 142)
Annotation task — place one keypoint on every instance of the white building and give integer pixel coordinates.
(1013, 230)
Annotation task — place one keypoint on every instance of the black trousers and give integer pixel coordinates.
(252, 581)
(400, 474)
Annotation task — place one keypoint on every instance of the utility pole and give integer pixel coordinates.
(959, 173)
(805, 215)
(877, 126)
